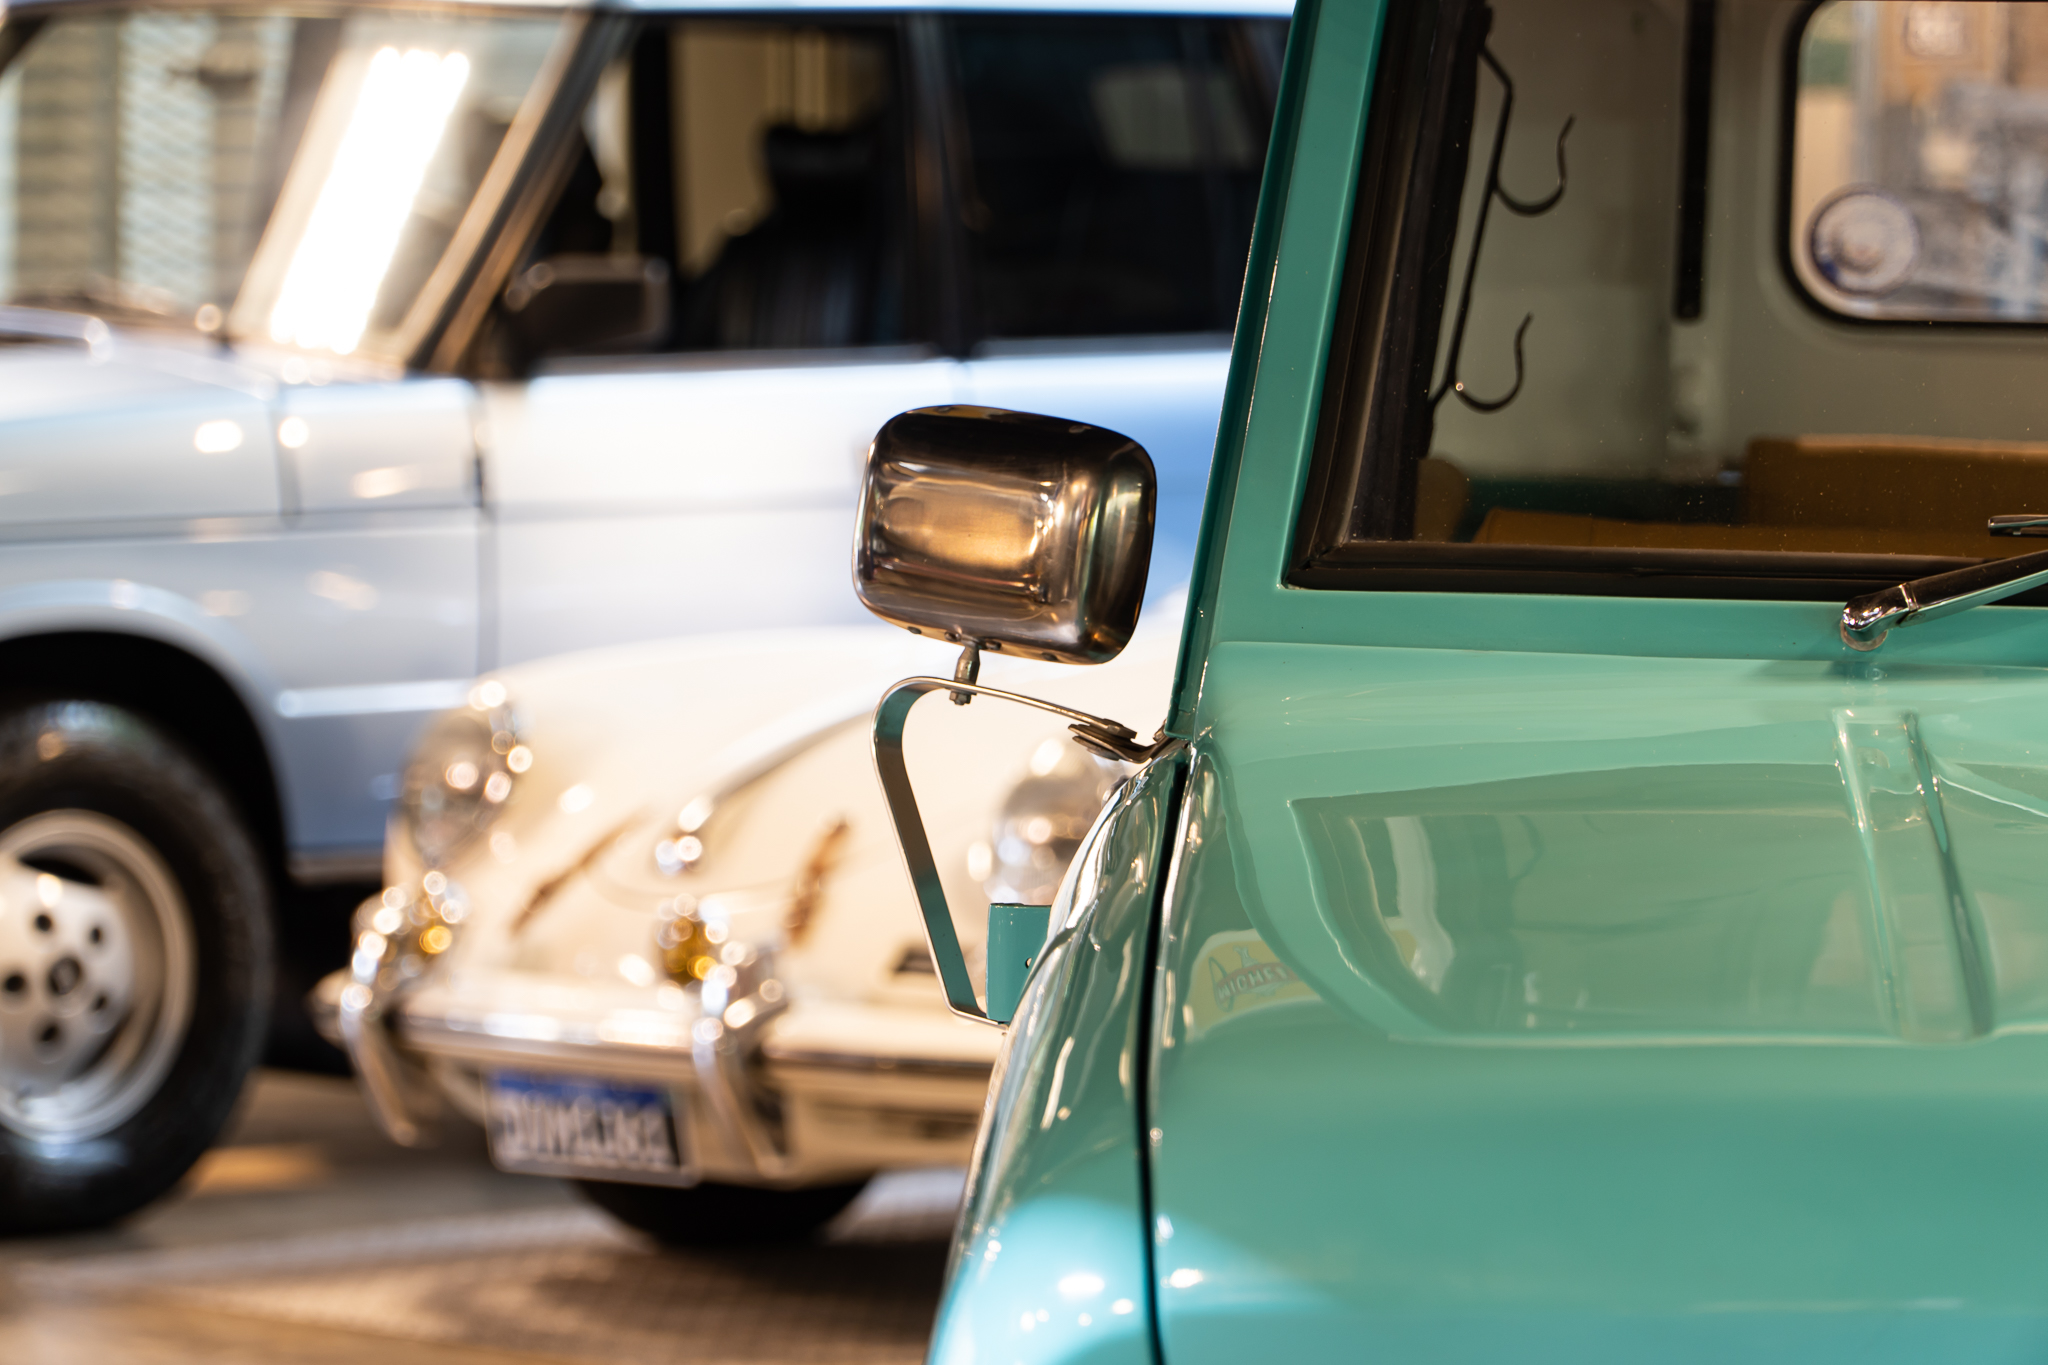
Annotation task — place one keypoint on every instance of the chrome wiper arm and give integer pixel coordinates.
(1868, 619)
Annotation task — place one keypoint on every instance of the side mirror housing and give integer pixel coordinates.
(1006, 530)
(586, 303)
(1003, 531)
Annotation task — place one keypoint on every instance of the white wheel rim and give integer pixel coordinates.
(97, 975)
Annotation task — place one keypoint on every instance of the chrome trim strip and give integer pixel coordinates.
(500, 1041)
(654, 1061)
(936, 1068)
(329, 866)
(49, 324)
(367, 699)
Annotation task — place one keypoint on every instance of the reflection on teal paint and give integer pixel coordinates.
(1722, 897)
(1635, 1014)
(1049, 1264)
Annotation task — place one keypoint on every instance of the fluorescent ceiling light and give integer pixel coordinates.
(394, 131)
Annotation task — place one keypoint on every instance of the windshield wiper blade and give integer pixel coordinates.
(1868, 619)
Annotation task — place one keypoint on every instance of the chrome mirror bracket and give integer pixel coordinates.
(968, 670)
(1093, 732)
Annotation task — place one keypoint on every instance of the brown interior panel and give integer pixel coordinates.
(1835, 495)
(1895, 482)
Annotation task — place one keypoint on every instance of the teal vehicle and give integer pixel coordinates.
(1589, 900)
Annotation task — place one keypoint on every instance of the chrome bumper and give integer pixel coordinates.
(792, 1094)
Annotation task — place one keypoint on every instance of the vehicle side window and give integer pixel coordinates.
(761, 169)
(243, 171)
(1521, 398)
(1111, 168)
(1920, 161)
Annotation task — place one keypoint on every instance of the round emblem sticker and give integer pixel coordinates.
(1864, 242)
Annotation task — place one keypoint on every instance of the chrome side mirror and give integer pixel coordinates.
(1006, 531)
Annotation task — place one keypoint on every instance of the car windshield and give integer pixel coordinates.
(292, 176)
(1693, 296)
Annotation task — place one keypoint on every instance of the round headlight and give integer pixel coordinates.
(461, 774)
(1042, 823)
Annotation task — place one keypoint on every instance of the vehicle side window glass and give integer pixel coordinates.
(1534, 399)
(1111, 169)
(1920, 161)
(760, 169)
(281, 176)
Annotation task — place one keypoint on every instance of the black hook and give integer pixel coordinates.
(1537, 210)
(1495, 190)
(1496, 404)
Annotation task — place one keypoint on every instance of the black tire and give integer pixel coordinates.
(104, 768)
(709, 1215)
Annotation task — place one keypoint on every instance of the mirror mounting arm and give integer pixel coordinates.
(1092, 732)
(968, 671)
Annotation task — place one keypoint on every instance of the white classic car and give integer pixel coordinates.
(678, 958)
(349, 349)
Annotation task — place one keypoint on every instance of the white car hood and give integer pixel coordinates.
(624, 739)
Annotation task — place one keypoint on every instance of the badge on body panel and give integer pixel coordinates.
(1237, 974)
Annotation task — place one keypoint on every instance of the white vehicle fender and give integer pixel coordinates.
(123, 607)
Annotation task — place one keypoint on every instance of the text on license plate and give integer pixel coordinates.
(582, 1126)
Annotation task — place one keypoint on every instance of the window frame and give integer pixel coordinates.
(545, 173)
(1359, 414)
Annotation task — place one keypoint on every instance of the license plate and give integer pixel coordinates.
(585, 1127)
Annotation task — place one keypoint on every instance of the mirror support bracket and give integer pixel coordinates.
(968, 670)
(1093, 732)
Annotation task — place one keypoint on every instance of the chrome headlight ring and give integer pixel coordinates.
(461, 774)
(398, 934)
(1041, 823)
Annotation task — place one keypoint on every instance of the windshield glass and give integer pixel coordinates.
(289, 176)
(1633, 311)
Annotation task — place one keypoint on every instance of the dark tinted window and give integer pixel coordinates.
(762, 168)
(1112, 168)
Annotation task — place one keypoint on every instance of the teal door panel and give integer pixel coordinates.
(1547, 1006)
(1050, 1256)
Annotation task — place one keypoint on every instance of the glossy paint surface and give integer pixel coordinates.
(1049, 1262)
(1520, 1002)
(1554, 978)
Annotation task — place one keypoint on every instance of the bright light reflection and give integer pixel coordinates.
(1080, 1285)
(217, 437)
(396, 127)
(1185, 1278)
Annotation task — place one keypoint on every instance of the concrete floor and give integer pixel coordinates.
(305, 1238)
